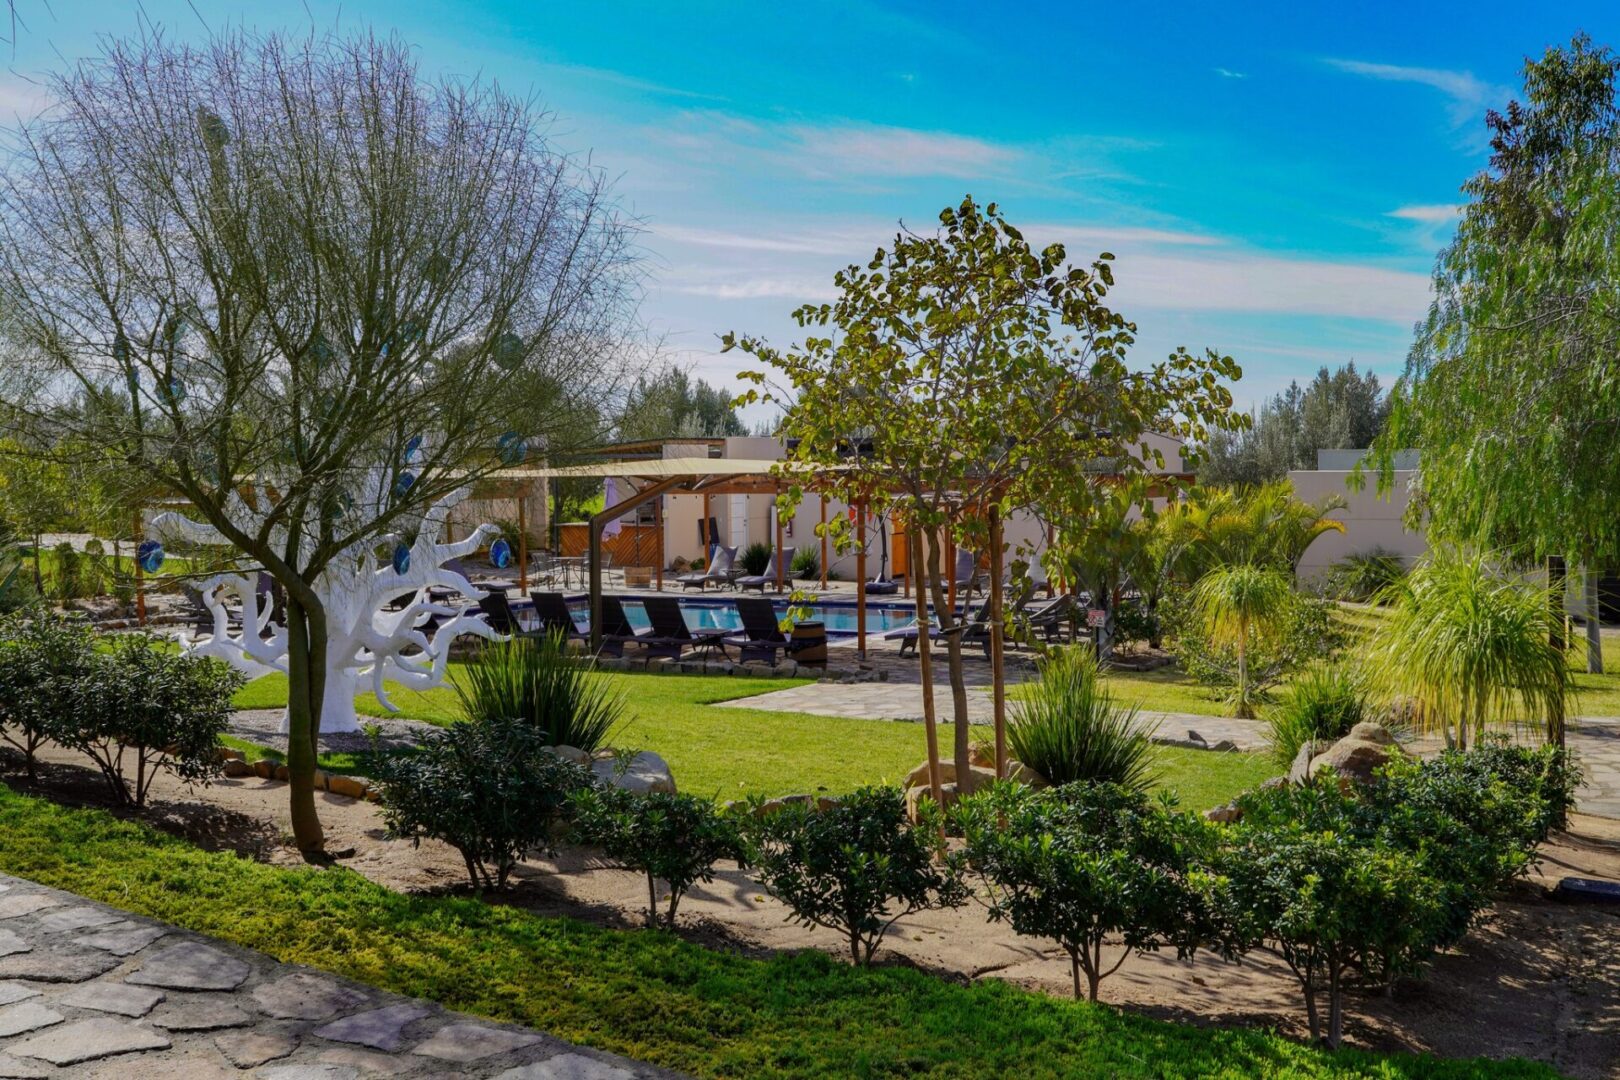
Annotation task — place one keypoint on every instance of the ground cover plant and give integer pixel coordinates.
(647, 994)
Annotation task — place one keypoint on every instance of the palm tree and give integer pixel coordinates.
(1264, 526)
(1469, 647)
(1240, 604)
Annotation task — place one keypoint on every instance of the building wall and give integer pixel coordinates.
(1370, 521)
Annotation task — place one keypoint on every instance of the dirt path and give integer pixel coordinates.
(1539, 979)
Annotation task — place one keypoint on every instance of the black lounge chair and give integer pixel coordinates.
(1051, 620)
(761, 637)
(718, 570)
(502, 619)
(965, 574)
(974, 624)
(551, 608)
(670, 635)
(616, 628)
(759, 581)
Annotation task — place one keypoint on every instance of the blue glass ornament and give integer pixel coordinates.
(150, 555)
(402, 559)
(500, 554)
(512, 448)
(403, 485)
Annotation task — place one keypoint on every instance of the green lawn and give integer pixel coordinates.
(731, 753)
(647, 994)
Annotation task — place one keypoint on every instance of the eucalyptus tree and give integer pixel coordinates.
(1510, 391)
(274, 272)
(962, 374)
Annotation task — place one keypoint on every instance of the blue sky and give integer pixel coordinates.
(1274, 179)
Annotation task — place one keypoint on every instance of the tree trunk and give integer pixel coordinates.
(998, 673)
(1074, 970)
(652, 902)
(1243, 709)
(1557, 584)
(961, 751)
(1335, 1010)
(1311, 1016)
(1594, 623)
(925, 667)
(303, 719)
(39, 575)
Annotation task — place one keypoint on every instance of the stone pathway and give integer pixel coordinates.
(1596, 741)
(90, 991)
(900, 701)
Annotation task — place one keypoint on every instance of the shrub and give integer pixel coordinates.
(1134, 621)
(857, 866)
(535, 681)
(1069, 728)
(487, 787)
(1365, 575)
(1085, 862)
(676, 839)
(807, 563)
(93, 569)
(1323, 703)
(68, 585)
(144, 701)
(755, 558)
(45, 659)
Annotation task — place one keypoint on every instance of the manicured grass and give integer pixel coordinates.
(355, 764)
(647, 994)
(731, 753)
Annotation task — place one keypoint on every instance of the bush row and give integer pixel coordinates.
(129, 702)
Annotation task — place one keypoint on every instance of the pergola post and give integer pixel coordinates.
(823, 498)
(997, 674)
(703, 527)
(140, 573)
(523, 545)
(658, 539)
(597, 524)
(777, 510)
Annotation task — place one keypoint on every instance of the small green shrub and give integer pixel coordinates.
(535, 681)
(807, 563)
(857, 866)
(1322, 704)
(1084, 863)
(487, 787)
(676, 839)
(1070, 728)
(68, 586)
(93, 570)
(45, 661)
(1364, 575)
(145, 707)
(754, 558)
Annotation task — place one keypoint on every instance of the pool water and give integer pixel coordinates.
(840, 619)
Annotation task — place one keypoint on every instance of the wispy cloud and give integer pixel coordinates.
(1437, 214)
(1467, 95)
(874, 150)
(1239, 281)
(1228, 73)
(631, 82)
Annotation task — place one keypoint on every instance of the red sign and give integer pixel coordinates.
(1096, 617)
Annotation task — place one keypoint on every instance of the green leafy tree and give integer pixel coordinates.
(857, 866)
(295, 285)
(672, 838)
(671, 405)
(45, 664)
(37, 495)
(962, 374)
(1241, 605)
(1509, 391)
(1090, 864)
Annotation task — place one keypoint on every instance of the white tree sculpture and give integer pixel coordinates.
(364, 639)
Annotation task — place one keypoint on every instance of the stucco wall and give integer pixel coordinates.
(1370, 520)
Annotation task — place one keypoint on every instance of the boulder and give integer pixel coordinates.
(642, 772)
(237, 767)
(1300, 771)
(914, 795)
(347, 786)
(918, 777)
(1224, 815)
(264, 769)
(983, 755)
(570, 753)
(1358, 754)
(1019, 773)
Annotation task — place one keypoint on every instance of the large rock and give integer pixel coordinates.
(643, 773)
(918, 777)
(1300, 771)
(1358, 754)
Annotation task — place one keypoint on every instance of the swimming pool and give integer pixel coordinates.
(711, 614)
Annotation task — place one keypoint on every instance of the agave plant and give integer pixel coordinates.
(1241, 604)
(535, 681)
(1470, 647)
(1070, 727)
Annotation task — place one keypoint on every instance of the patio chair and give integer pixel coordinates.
(1050, 619)
(718, 570)
(551, 608)
(502, 619)
(670, 635)
(761, 637)
(759, 581)
(616, 628)
(965, 574)
(974, 624)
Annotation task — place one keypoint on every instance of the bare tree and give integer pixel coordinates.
(293, 274)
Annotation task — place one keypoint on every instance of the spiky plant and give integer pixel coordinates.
(1323, 703)
(1071, 728)
(533, 680)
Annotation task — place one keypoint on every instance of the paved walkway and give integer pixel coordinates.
(87, 991)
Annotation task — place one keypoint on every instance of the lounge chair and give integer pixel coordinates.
(974, 624)
(502, 619)
(759, 581)
(965, 575)
(1051, 619)
(718, 570)
(670, 635)
(552, 610)
(761, 637)
(616, 628)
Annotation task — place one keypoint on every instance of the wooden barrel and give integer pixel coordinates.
(809, 642)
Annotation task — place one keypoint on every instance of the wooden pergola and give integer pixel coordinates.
(656, 477)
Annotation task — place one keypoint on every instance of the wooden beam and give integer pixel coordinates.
(140, 574)
(823, 499)
(597, 524)
(998, 676)
(658, 539)
(780, 569)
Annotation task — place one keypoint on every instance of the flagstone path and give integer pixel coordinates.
(90, 991)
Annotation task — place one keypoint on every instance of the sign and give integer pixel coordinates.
(1096, 617)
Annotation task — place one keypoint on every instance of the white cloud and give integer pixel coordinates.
(1437, 214)
(20, 97)
(834, 241)
(743, 286)
(1238, 281)
(1468, 95)
(1228, 73)
(875, 150)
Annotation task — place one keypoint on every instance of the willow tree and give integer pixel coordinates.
(1510, 392)
(962, 374)
(263, 269)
